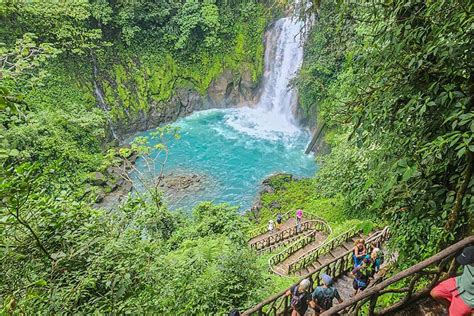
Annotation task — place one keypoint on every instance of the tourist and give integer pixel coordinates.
(299, 217)
(361, 275)
(457, 293)
(270, 226)
(359, 252)
(376, 260)
(301, 298)
(279, 220)
(324, 295)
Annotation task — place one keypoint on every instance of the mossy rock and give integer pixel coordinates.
(278, 181)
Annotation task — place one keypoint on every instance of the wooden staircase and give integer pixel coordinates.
(281, 268)
(409, 288)
(323, 254)
(279, 304)
(287, 234)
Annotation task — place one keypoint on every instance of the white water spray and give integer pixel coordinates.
(273, 116)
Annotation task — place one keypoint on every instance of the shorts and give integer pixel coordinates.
(448, 290)
(355, 286)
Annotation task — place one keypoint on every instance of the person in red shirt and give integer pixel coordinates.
(457, 293)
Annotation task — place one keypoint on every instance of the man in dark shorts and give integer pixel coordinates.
(361, 276)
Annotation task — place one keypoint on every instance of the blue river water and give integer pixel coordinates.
(233, 151)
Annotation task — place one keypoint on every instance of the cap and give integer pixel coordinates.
(326, 279)
(467, 256)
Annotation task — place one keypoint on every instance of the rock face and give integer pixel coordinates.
(227, 90)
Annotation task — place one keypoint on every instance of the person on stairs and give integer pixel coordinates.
(324, 295)
(301, 298)
(270, 226)
(376, 258)
(299, 217)
(457, 293)
(359, 252)
(361, 275)
(279, 221)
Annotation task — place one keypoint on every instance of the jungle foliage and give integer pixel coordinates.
(58, 254)
(394, 81)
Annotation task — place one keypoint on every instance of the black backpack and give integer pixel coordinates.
(326, 300)
(296, 300)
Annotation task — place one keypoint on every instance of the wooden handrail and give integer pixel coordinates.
(415, 271)
(285, 234)
(335, 267)
(311, 256)
(264, 228)
(285, 216)
(318, 226)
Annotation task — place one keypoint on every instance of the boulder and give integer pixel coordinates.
(112, 185)
(98, 178)
(100, 196)
(127, 186)
(274, 205)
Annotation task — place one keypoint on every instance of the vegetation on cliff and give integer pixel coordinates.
(59, 254)
(393, 81)
(395, 84)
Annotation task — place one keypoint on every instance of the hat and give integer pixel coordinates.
(326, 279)
(467, 256)
(299, 213)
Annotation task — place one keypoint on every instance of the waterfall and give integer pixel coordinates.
(272, 117)
(283, 59)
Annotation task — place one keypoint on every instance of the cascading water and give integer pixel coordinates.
(273, 115)
(230, 151)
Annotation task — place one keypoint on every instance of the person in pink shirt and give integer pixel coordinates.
(299, 216)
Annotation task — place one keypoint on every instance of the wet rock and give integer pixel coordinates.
(274, 205)
(100, 196)
(247, 86)
(112, 185)
(127, 187)
(98, 178)
(267, 189)
(227, 90)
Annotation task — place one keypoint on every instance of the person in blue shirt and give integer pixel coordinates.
(324, 295)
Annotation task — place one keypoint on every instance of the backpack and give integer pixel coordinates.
(296, 300)
(279, 218)
(234, 312)
(325, 299)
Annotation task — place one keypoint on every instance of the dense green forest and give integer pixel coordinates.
(393, 82)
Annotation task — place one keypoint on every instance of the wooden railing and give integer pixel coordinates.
(318, 226)
(286, 234)
(286, 216)
(279, 304)
(264, 228)
(308, 258)
(405, 287)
